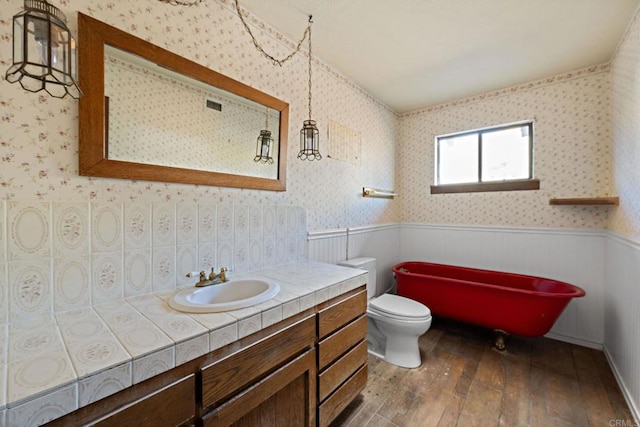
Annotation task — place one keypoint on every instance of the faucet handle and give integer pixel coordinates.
(203, 280)
(213, 274)
(195, 274)
(223, 274)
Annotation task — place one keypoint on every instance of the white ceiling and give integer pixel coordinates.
(411, 54)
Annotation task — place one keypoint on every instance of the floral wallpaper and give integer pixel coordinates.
(572, 145)
(571, 113)
(625, 73)
(39, 140)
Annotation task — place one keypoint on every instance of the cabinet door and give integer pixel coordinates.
(284, 398)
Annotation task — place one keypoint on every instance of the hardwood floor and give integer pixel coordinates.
(465, 381)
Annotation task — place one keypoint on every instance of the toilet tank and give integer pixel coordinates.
(368, 264)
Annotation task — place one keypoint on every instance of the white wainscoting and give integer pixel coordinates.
(572, 256)
(381, 242)
(622, 316)
(328, 246)
(378, 241)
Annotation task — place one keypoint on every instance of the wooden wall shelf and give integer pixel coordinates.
(585, 201)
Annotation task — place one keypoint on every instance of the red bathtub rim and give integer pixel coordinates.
(575, 291)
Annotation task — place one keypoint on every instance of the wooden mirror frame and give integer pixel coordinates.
(93, 35)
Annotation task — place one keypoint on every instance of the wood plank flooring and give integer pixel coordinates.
(465, 381)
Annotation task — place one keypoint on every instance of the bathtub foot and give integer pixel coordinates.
(500, 337)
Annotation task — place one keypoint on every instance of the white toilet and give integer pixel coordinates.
(395, 323)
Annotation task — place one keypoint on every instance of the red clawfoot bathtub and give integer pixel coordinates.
(513, 303)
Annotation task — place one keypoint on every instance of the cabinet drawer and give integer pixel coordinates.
(223, 378)
(337, 344)
(342, 369)
(341, 313)
(173, 405)
(339, 400)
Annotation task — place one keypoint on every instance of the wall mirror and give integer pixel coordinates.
(149, 114)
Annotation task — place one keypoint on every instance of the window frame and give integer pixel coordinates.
(529, 183)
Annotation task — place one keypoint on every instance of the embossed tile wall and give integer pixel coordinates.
(63, 256)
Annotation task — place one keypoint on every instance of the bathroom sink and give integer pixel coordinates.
(231, 295)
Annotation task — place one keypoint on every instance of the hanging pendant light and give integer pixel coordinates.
(265, 142)
(44, 52)
(309, 135)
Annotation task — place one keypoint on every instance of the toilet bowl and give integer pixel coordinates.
(394, 323)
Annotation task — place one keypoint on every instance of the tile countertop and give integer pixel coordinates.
(74, 358)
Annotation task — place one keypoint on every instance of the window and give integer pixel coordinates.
(492, 159)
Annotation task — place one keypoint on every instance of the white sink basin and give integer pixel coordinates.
(226, 296)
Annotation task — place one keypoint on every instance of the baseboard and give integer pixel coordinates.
(576, 341)
(633, 407)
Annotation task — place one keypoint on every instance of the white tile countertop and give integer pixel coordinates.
(54, 364)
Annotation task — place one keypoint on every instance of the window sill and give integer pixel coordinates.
(525, 184)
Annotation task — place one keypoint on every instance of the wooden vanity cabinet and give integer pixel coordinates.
(302, 371)
(342, 354)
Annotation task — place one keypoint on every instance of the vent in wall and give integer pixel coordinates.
(212, 105)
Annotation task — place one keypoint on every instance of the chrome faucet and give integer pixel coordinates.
(212, 279)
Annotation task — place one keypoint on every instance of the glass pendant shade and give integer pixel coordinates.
(309, 141)
(263, 147)
(44, 52)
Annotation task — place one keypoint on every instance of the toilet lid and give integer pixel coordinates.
(398, 306)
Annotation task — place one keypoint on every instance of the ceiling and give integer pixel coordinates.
(411, 54)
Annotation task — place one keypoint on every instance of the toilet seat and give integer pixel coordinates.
(399, 308)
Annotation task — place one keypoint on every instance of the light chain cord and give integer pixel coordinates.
(310, 56)
(182, 2)
(274, 60)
